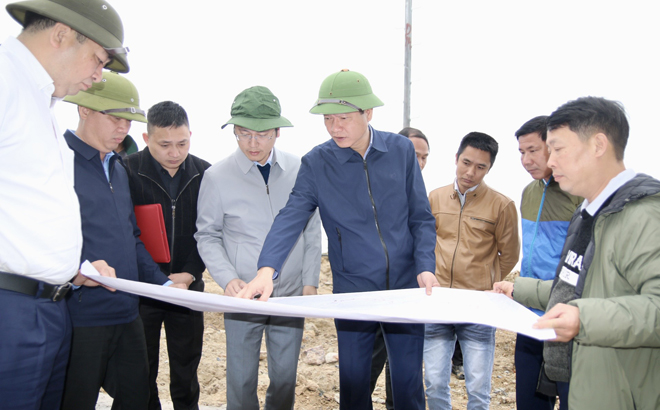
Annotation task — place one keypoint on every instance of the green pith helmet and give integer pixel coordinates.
(114, 95)
(257, 109)
(345, 91)
(95, 19)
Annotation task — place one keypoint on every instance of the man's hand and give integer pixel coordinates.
(234, 286)
(503, 287)
(427, 280)
(183, 277)
(309, 290)
(261, 285)
(104, 270)
(565, 319)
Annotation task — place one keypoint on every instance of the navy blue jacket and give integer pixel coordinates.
(375, 212)
(109, 233)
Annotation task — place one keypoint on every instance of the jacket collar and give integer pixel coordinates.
(343, 154)
(148, 168)
(481, 190)
(637, 188)
(85, 150)
(244, 164)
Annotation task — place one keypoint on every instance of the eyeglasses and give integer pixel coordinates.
(257, 137)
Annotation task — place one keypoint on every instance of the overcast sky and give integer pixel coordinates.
(476, 66)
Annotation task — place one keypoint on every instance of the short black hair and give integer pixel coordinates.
(481, 141)
(537, 124)
(166, 114)
(410, 132)
(587, 116)
(34, 22)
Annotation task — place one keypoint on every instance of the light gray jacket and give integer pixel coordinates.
(235, 211)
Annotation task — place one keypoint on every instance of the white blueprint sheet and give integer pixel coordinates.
(407, 305)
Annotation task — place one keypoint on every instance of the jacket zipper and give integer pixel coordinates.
(380, 235)
(458, 241)
(174, 201)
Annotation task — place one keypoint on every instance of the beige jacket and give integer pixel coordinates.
(478, 244)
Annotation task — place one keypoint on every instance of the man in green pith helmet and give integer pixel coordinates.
(369, 190)
(62, 49)
(238, 201)
(109, 348)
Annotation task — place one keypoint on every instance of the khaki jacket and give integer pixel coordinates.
(478, 244)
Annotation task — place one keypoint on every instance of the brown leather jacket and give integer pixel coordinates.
(477, 245)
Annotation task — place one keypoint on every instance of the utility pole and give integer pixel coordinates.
(407, 69)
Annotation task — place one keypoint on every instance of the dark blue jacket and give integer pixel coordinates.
(375, 212)
(109, 233)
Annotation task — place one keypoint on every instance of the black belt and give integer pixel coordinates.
(33, 287)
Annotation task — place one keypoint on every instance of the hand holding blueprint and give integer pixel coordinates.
(405, 306)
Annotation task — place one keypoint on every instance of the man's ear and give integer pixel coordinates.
(83, 112)
(600, 144)
(58, 34)
(370, 113)
(145, 137)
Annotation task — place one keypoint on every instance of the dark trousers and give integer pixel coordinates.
(184, 330)
(34, 349)
(113, 357)
(378, 360)
(405, 348)
(528, 359)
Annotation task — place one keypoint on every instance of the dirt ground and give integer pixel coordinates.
(318, 385)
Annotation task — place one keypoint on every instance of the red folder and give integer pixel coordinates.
(152, 231)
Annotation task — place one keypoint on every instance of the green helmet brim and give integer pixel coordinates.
(259, 124)
(348, 104)
(81, 23)
(96, 103)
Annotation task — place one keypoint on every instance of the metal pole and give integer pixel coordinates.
(407, 69)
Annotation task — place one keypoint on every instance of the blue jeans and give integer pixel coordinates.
(478, 346)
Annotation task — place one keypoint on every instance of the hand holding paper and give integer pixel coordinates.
(96, 268)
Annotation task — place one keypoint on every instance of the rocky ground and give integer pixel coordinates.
(318, 374)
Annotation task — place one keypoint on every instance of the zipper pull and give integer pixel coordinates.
(267, 190)
(111, 189)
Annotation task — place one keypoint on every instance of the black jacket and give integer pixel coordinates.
(180, 213)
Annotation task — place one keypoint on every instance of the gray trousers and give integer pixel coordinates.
(283, 339)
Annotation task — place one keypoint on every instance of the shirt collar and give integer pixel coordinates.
(32, 67)
(462, 196)
(375, 141)
(614, 184)
(244, 164)
(269, 161)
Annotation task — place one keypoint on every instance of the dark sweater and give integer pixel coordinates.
(109, 233)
